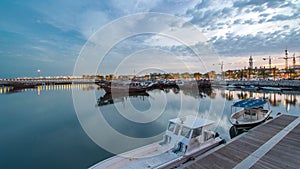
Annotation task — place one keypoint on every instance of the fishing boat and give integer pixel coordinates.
(185, 138)
(252, 113)
(110, 98)
(133, 87)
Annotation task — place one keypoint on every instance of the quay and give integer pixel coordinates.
(40, 82)
(275, 144)
(269, 83)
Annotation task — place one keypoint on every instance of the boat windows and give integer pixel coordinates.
(177, 129)
(208, 135)
(197, 132)
(185, 132)
(171, 126)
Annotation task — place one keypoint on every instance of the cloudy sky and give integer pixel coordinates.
(50, 34)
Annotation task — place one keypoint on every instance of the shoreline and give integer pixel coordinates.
(294, 84)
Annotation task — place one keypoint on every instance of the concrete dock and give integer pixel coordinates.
(295, 84)
(275, 144)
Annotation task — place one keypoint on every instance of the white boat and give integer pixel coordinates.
(271, 88)
(252, 113)
(249, 87)
(230, 87)
(185, 138)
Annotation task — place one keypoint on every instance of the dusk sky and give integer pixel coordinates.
(49, 34)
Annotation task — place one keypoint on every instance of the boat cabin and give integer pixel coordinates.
(186, 133)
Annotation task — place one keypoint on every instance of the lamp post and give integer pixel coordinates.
(38, 72)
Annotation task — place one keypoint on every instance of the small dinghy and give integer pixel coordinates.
(252, 113)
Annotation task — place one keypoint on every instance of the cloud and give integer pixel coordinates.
(249, 21)
(237, 21)
(258, 9)
(261, 43)
(275, 3)
(283, 17)
(264, 14)
(246, 3)
(47, 32)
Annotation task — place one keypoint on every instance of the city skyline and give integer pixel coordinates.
(49, 35)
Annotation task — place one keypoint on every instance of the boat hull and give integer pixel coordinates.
(248, 125)
(120, 162)
(271, 88)
(109, 89)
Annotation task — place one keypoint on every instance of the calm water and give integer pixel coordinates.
(39, 128)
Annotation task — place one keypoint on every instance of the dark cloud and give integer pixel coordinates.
(203, 4)
(238, 21)
(262, 20)
(286, 27)
(259, 4)
(241, 4)
(275, 3)
(258, 9)
(261, 43)
(226, 11)
(249, 22)
(287, 4)
(264, 15)
(282, 17)
(209, 17)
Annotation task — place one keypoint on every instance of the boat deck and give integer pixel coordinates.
(244, 117)
(149, 156)
(150, 162)
(274, 144)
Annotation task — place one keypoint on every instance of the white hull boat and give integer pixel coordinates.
(252, 113)
(185, 138)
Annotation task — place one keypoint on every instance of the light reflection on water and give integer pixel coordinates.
(39, 127)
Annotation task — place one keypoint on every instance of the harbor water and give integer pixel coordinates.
(39, 128)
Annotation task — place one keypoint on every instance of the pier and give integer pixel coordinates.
(31, 83)
(274, 144)
(271, 83)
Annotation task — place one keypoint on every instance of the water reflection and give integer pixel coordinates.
(47, 114)
(276, 98)
(109, 98)
(39, 89)
(287, 98)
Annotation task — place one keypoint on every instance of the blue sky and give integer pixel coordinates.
(49, 34)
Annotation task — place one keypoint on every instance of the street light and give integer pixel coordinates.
(38, 72)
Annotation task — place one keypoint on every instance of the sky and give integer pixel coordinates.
(49, 35)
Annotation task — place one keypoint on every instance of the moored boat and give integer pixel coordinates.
(110, 98)
(249, 87)
(252, 113)
(271, 88)
(185, 138)
(230, 87)
(124, 88)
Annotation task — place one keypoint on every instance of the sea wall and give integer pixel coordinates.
(271, 83)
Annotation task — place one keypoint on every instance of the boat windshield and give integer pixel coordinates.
(171, 126)
(185, 132)
(197, 132)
